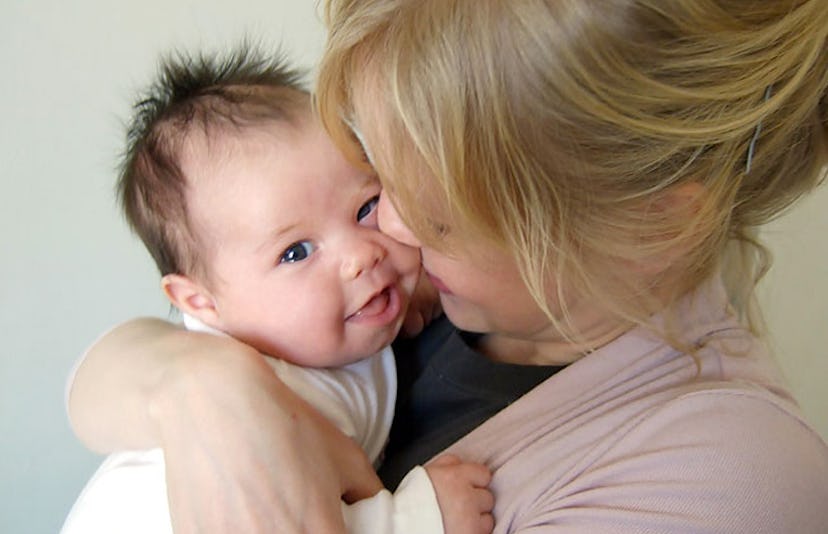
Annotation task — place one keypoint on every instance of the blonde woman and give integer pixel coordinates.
(584, 179)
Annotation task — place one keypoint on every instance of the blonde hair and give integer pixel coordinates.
(565, 131)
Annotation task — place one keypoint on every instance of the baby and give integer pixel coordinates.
(264, 232)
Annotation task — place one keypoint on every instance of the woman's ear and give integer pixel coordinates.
(685, 198)
(191, 298)
(677, 211)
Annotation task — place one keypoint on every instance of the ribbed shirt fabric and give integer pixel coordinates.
(636, 437)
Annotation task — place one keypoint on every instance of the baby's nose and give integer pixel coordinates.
(364, 256)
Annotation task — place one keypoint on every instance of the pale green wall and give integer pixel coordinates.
(794, 296)
(70, 269)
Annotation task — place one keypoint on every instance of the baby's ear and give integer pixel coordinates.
(191, 298)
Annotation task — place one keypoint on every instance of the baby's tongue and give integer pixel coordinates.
(376, 304)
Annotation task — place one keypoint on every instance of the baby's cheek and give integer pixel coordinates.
(413, 274)
(411, 261)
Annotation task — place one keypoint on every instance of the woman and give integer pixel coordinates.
(584, 180)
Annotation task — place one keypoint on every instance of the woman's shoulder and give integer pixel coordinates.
(660, 447)
(734, 456)
(728, 458)
(729, 425)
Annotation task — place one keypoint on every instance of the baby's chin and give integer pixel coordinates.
(369, 342)
(377, 344)
(368, 350)
(344, 356)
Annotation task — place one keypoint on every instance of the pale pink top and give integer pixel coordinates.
(636, 438)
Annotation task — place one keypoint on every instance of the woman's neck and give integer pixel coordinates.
(548, 347)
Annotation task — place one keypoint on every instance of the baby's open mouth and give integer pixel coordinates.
(375, 306)
(381, 310)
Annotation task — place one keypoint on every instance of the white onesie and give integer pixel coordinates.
(128, 494)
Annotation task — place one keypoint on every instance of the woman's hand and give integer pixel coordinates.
(243, 453)
(247, 455)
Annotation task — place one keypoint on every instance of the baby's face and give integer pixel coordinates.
(298, 266)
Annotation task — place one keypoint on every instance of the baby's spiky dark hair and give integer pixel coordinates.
(207, 93)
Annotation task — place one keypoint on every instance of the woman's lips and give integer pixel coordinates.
(438, 284)
(382, 309)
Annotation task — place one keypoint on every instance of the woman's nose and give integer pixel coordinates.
(363, 255)
(391, 224)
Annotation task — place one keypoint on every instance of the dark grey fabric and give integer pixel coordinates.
(446, 389)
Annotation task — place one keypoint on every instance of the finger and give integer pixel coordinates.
(361, 481)
(323, 519)
(413, 324)
(483, 499)
(477, 474)
(436, 309)
(362, 486)
(486, 523)
(445, 460)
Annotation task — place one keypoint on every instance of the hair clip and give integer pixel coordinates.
(756, 133)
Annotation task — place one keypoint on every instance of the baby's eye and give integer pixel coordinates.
(368, 212)
(297, 252)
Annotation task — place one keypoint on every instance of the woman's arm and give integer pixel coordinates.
(243, 453)
(112, 392)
